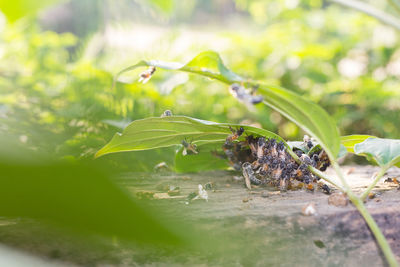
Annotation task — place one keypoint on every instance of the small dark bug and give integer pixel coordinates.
(146, 75)
(235, 134)
(325, 188)
(166, 113)
(189, 148)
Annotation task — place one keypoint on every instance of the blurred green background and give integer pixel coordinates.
(57, 108)
(58, 58)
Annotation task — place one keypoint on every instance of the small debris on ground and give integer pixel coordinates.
(338, 200)
(201, 194)
(265, 194)
(165, 196)
(237, 178)
(174, 191)
(145, 194)
(274, 193)
(319, 243)
(162, 166)
(309, 210)
(350, 171)
(246, 199)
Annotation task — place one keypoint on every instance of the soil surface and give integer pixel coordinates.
(258, 227)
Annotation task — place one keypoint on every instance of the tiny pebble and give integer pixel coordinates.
(338, 200)
(309, 210)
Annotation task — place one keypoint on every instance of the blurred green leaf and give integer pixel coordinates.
(166, 6)
(153, 133)
(205, 160)
(308, 115)
(385, 152)
(17, 9)
(349, 141)
(81, 198)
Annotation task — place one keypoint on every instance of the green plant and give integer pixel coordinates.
(309, 116)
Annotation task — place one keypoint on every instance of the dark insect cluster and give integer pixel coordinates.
(266, 161)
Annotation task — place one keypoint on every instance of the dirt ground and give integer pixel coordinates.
(261, 227)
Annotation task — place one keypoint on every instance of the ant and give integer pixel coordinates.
(235, 134)
(146, 75)
(189, 148)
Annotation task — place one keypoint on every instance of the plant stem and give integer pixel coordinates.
(372, 11)
(376, 180)
(346, 186)
(324, 177)
(358, 203)
(380, 238)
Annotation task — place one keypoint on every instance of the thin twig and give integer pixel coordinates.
(372, 11)
(382, 172)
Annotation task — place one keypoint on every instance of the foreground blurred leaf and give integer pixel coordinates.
(349, 141)
(386, 152)
(308, 115)
(19, 8)
(153, 133)
(79, 198)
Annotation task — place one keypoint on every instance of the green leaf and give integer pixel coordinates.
(308, 115)
(159, 132)
(16, 9)
(207, 64)
(205, 160)
(81, 198)
(350, 140)
(386, 152)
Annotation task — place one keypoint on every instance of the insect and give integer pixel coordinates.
(267, 161)
(249, 176)
(325, 188)
(307, 140)
(244, 95)
(166, 113)
(189, 148)
(235, 134)
(145, 76)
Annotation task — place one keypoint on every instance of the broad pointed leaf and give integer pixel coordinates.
(349, 141)
(153, 133)
(383, 151)
(308, 115)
